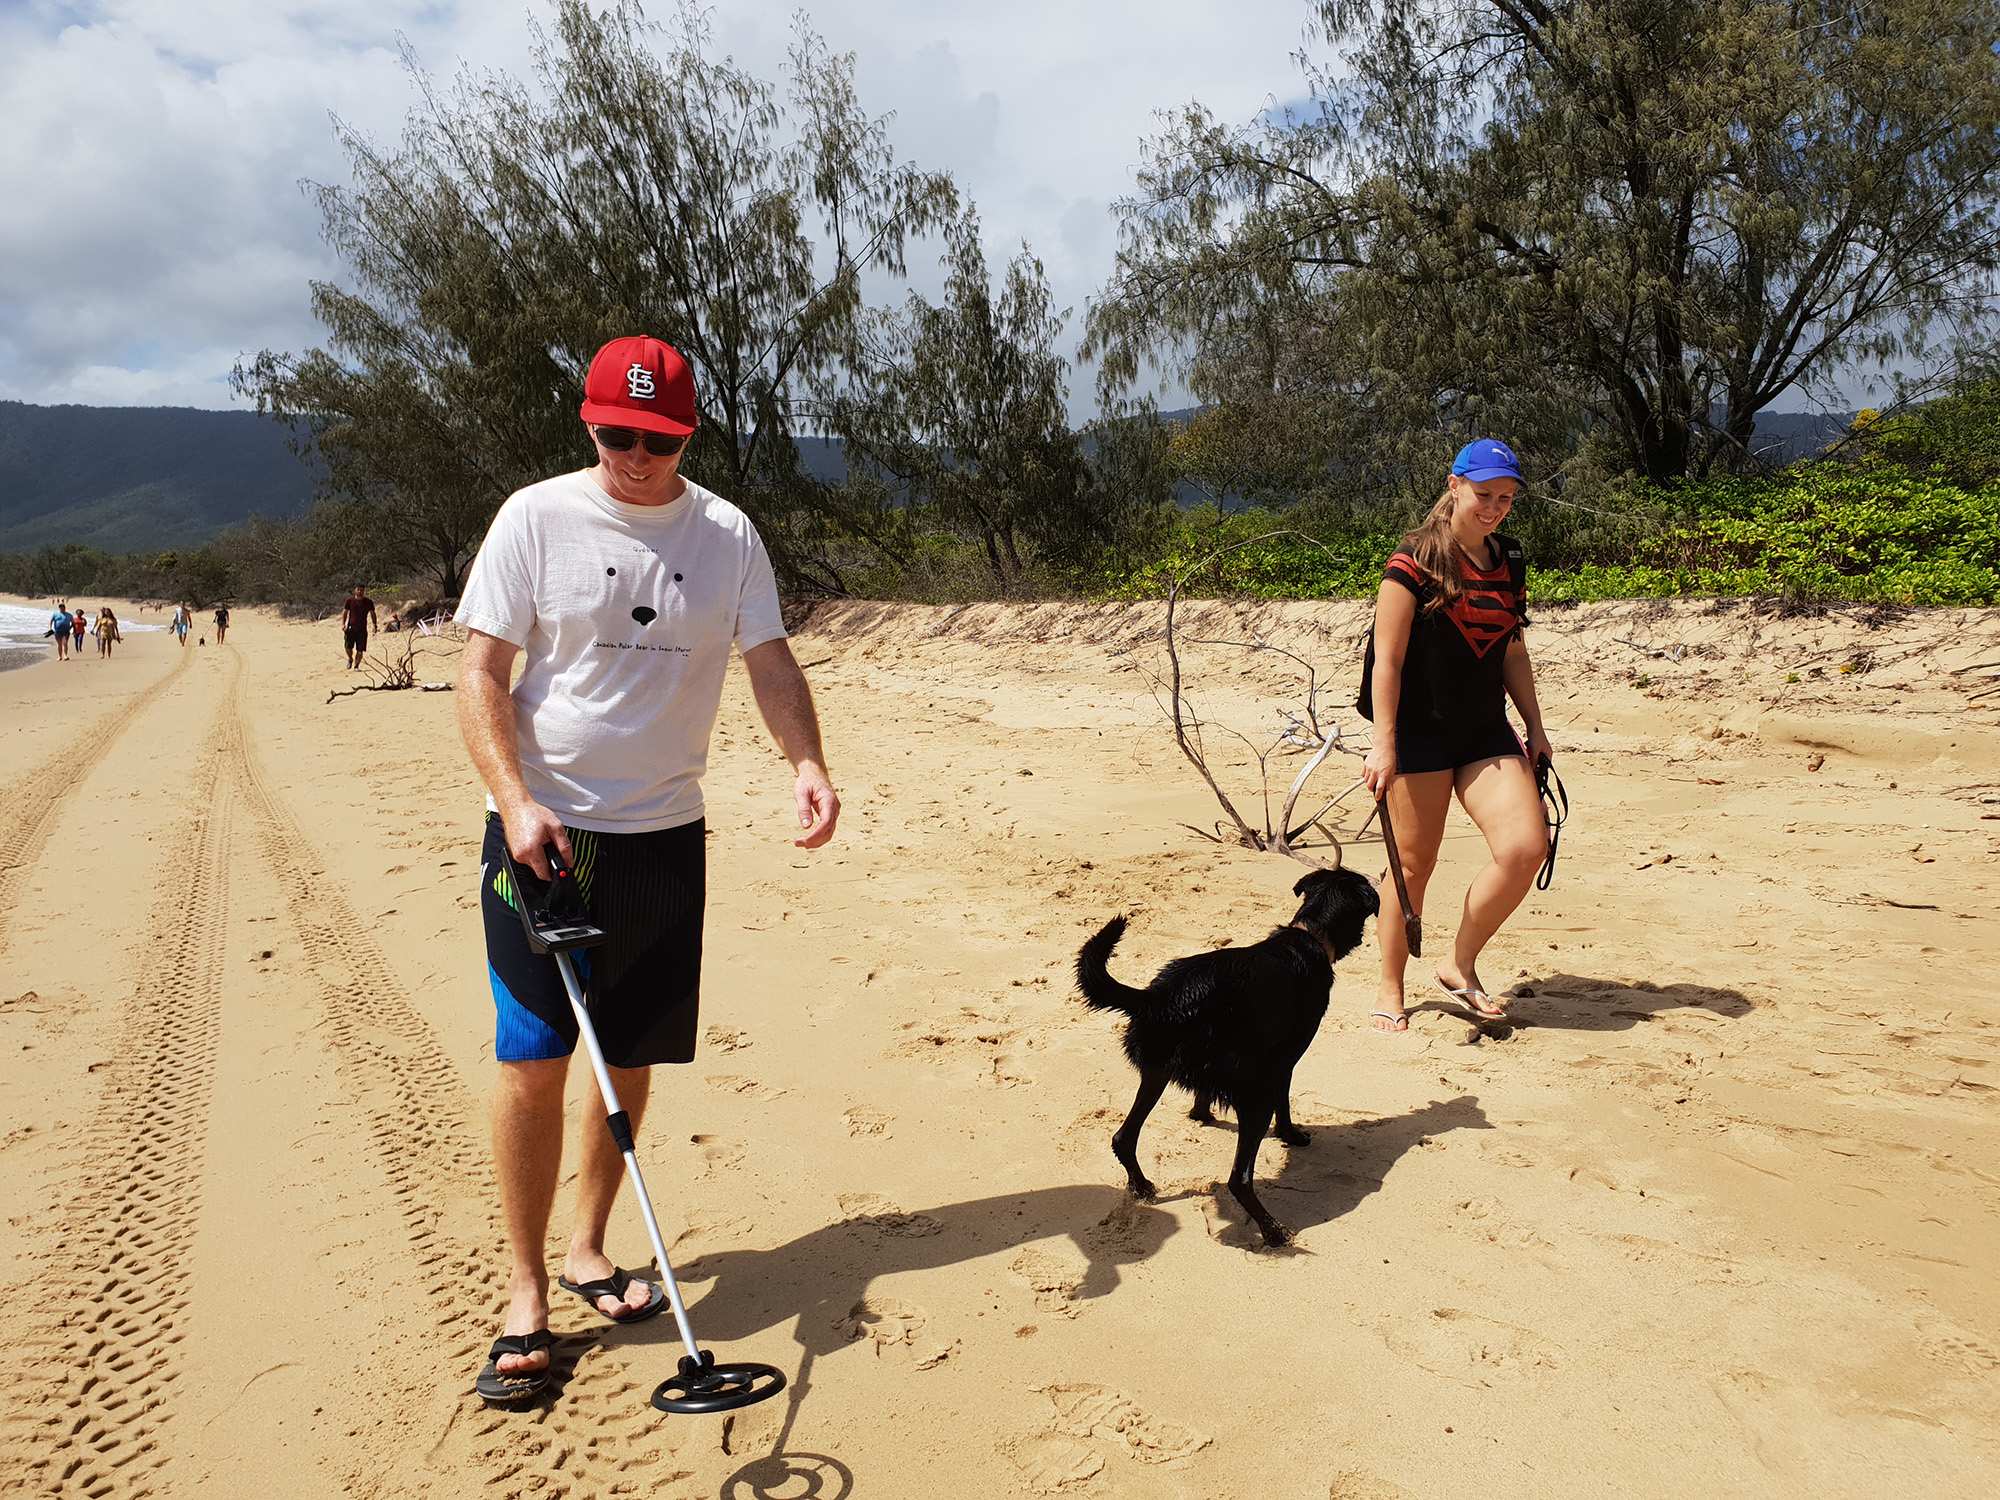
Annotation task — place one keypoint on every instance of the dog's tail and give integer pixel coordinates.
(1100, 990)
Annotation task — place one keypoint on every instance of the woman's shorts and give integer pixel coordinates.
(643, 983)
(1432, 746)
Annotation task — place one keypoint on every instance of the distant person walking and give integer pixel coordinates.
(60, 625)
(1446, 654)
(183, 622)
(107, 631)
(81, 627)
(221, 623)
(357, 613)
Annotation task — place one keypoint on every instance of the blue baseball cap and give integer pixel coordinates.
(1486, 458)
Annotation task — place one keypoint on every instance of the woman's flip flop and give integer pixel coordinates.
(614, 1285)
(1400, 1018)
(1478, 1001)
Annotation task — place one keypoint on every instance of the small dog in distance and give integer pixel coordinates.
(1232, 1024)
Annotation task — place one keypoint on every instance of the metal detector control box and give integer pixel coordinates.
(552, 911)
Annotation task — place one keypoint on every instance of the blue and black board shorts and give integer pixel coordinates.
(643, 983)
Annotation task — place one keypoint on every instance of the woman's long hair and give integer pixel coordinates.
(1437, 553)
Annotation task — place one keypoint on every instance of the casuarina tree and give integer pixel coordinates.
(637, 183)
(962, 403)
(1650, 216)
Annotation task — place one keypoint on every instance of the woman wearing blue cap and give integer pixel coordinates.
(1444, 657)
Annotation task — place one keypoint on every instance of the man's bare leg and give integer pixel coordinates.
(597, 1184)
(527, 1154)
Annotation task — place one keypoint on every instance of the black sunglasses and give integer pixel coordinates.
(621, 439)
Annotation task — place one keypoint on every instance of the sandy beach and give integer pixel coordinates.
(1717, 1216)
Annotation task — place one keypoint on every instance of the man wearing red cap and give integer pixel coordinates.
(623, 587)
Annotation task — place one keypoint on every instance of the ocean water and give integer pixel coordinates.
(22, 643)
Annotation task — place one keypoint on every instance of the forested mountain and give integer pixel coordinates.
(141, 478)
(136, 478)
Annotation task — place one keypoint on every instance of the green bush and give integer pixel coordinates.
(1824, 531)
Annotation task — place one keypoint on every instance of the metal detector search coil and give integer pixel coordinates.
(553, 913)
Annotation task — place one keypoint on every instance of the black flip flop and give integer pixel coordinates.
(506, 1390)
(614, 1285)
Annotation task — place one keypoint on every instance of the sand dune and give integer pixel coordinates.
(1718, 1216)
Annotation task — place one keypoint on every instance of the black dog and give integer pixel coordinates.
(1232, 1024)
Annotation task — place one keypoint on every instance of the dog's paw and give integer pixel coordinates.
(1275, 1234)
(1294, 1136)
(1143, 1190)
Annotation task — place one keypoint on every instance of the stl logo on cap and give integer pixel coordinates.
(640, 381)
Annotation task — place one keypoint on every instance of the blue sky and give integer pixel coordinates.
(156, 230)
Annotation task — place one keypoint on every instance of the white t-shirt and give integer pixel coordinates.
(624, 615)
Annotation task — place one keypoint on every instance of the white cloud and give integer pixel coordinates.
(154, 147)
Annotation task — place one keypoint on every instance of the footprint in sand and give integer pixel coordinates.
(873, 1211)
(883, 1321)
(749, 1088)
(862, 1120)
(1051, 1464)
(1082, 1410)
(707, 1231)
(1123, 1232)
(1470, 1348)
(1359, 1484)
(717, 1154)
(1052, 1278)
(1961, 1351)
(725, 1039)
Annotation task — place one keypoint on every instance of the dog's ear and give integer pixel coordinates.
(1309, 879)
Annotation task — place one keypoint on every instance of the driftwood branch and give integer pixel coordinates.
(1278, 837)
(399, 675)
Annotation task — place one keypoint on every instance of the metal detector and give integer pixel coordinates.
(553, 913)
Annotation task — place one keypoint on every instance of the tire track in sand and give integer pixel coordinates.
(28, 810)
(101, 1379)
(597, 1435)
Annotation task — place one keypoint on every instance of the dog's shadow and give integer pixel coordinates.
(1346, 1162)
(1575, 1002)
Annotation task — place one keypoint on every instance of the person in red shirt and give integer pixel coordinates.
(357, 613)
(1446, 653)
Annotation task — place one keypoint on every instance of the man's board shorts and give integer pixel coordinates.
(356, 637)
(643, 983)
(1426, 744)
(62, 629)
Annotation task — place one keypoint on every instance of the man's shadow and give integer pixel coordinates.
(821, 1280)
(1573, 1002)
(821, 1277)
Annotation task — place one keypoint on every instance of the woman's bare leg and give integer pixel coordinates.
(1500, 797)
(1417, 804)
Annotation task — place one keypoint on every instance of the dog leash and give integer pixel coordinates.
(1555, 810)
(1413, 925)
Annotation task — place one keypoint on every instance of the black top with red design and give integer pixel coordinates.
(1453, 668)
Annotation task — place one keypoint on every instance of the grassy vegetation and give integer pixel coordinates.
(1906, 512)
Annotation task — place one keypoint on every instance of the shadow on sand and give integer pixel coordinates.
(1574, 1002)
(751, 1290)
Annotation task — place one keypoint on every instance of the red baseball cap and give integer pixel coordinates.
(640, 382)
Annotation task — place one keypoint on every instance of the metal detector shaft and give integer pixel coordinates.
(621, 1132)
